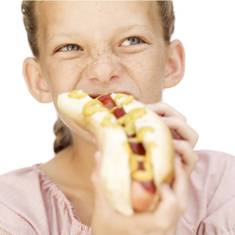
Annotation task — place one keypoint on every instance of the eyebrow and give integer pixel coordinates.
(124, 29)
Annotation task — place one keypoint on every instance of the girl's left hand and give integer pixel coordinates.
(184, 136)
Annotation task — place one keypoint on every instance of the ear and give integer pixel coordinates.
(37, 85)
(175, 64)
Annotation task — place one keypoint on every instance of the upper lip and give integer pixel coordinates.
(99, 94)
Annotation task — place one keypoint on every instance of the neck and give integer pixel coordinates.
(74, 165)
(71, 169)
(81, 165)
(82, 157)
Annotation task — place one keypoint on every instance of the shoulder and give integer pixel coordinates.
(212, 193)
(30, 204)
(215, 168)
(215, 156)
(18, 183)
(216, 172)
(20, 200)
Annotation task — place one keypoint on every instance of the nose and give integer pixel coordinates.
(103, 69)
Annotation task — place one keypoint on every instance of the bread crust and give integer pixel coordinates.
(116, 170)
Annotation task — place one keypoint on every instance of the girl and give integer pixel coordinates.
(104, 47)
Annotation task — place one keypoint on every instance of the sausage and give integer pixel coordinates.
(141, 198)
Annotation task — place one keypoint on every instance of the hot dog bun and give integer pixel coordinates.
(136, 146)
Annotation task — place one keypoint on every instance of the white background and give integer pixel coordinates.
(206, 95)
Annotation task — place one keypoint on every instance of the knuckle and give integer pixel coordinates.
(188, 149)
(184, 146)
(177, 121)
(183, 118)
(174, 122)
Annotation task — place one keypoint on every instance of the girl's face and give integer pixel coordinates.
(102, 47)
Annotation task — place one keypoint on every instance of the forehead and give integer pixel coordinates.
(96, 15)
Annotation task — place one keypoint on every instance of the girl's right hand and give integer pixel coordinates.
(162, 221)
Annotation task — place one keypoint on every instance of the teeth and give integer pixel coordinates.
(96, 95)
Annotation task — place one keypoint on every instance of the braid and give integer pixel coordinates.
(63, 136)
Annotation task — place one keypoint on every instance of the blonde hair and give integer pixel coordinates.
(62, 133)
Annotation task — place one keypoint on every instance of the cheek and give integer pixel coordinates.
(147, 65)
(147, 73)
(63, 75)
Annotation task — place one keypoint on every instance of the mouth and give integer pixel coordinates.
(94, 96)
(107, 100)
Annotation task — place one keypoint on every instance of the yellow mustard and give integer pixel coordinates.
(131, 116)
(125, 99)
(108, 122)
(142, 132)
(93, 106)
(142, 176)
(128, 100)
(129, 129)
(119, 96)
(76, 94)
(128, 120)
(134, 159)
(147, 173)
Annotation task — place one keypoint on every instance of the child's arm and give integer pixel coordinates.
(164, 219)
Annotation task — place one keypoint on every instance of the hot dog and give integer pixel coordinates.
(136, 146)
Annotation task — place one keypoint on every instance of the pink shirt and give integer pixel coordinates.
(30, 203)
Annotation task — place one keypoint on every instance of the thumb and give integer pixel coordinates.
(95, 174)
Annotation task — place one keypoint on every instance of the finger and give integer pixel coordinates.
(180, 130)
(168, 113)
(165, 110)
(167, 208)
(167, 197)
(163, 217)
(186, 153)
(95, 174)
(180, 186)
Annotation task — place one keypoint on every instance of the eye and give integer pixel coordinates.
(69, 47)
(132, 41)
